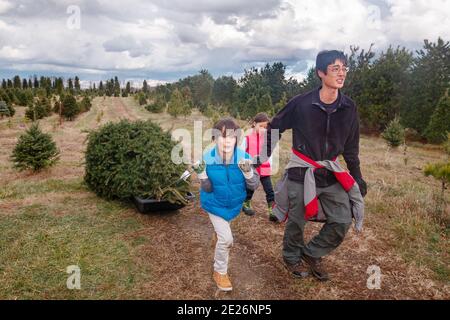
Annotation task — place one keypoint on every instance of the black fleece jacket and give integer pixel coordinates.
(318, 134)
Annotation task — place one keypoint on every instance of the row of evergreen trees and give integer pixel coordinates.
(397, 83)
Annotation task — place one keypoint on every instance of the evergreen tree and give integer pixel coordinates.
(439, 125)
(280, 105)
(187, 98)
(116, 87)
(70, 107)
(252, 88)
(59, 85)
(394, 133)
(176, 104)
(77, 84)
(40, 109)
(312, 81)
(430, 78)
(250, 108)
(127, 90)
(386, 82)
(224, 90)
(274, 78)
(145, 87)
(4, 110)
(158, 105)
(16, 82)
(70, 85)
(265, 104)
(35, 150)
(142, 99)
(85, 104)
(101, 89)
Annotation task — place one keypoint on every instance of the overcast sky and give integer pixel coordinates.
(166, 40)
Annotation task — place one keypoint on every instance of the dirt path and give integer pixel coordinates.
(182, 264)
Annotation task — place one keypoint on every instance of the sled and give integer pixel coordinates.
(154, 205)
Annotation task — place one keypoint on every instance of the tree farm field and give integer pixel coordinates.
(50, 220)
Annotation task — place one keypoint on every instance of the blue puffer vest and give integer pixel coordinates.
(228, 184)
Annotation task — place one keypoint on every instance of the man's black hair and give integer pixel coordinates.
(327, 57)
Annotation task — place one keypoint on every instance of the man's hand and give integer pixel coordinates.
(362, 186)
(246, 167)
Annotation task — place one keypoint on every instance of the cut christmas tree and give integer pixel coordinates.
(132, 160)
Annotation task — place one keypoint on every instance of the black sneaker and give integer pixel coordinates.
(272, 217)
(316, 267)
(247, 208)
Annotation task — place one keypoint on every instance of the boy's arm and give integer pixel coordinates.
(250, 174)
(205, 183)
(252, 179)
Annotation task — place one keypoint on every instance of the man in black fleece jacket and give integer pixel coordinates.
(325, 124)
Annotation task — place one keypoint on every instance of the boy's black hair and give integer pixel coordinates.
(260, 117)
(327, 57)
(222, 127)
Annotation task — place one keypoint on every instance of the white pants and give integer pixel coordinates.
(224, 243)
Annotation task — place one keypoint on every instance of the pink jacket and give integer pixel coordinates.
(253, 146)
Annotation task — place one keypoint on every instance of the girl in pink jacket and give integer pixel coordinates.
(253, 144)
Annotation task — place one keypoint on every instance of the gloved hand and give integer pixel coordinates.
(246, 167)
(200, 169)
(358, 215)
(362, 186)
(257, 162)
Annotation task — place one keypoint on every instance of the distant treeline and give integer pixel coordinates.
(397, 83)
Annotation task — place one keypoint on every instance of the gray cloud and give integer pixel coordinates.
(168, 39)
(126, 43)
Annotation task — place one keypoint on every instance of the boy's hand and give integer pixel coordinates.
(245, 165)
(257, 162)
(200, 168)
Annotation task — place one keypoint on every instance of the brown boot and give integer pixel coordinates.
(298, 270)
(222, 281)
(316, 267)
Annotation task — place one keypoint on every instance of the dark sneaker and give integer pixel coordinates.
(272, 217)
(298, 270)
(316, 267)
(247, 208)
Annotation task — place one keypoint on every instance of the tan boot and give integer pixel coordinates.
(222, 281)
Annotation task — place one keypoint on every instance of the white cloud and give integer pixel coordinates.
(167, 39)
(5, 6)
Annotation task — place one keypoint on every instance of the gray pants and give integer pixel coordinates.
(336, 206)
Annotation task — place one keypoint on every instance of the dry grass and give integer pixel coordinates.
(50, 220)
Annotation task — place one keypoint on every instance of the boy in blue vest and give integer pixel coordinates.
(225, 174)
